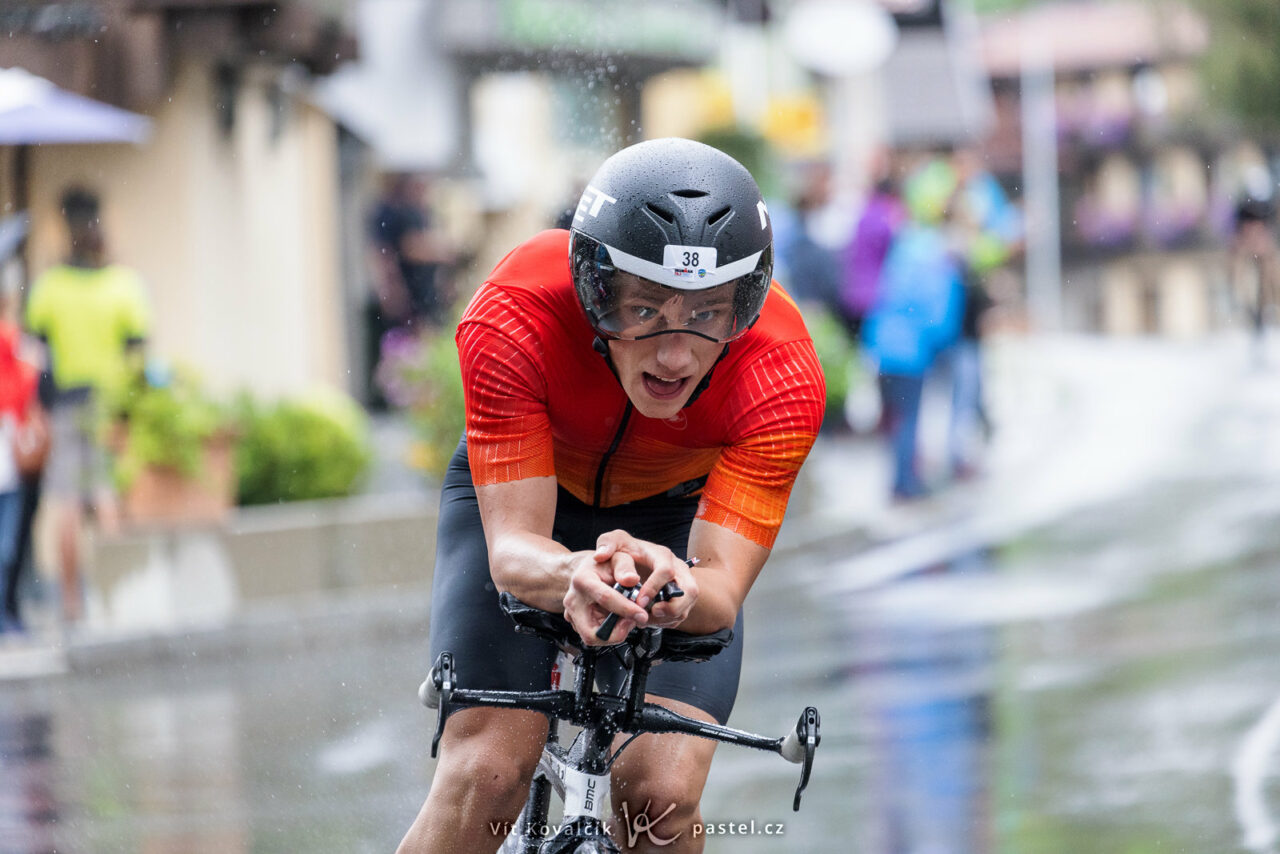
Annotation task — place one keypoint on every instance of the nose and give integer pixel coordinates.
(675, 352)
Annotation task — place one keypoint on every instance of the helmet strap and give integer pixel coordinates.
(601, 346)
(706, 379)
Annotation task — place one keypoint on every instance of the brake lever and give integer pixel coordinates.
(807, 736)
(439, 688)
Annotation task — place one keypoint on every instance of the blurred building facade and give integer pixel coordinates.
(1148, 181)
(230, 209)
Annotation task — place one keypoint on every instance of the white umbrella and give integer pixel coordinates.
(34, 111)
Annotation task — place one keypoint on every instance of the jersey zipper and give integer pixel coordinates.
(613, 447)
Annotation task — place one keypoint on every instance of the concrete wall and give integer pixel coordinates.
(154, 580)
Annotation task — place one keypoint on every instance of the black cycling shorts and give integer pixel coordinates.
(490, 654)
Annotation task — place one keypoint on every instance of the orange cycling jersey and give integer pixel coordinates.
(542, 402)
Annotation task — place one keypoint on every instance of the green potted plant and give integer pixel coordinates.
(312, 446)
(171, 445)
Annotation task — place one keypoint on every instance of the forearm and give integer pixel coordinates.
(728, 565)
(534, 569)
(718, 603)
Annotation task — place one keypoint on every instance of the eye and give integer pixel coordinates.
(644, 312)
(708, 314)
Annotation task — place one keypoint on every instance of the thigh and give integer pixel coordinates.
(466, 619)
(62, 473)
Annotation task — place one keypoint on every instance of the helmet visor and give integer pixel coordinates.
(623, 305)
(643, 309)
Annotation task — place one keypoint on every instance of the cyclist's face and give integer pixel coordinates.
(646, 308)
(659, 373)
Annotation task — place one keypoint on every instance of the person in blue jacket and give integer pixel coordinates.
(916, 317)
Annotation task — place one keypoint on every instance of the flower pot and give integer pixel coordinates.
(162, 495)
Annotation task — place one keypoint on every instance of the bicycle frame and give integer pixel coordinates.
(580, 774)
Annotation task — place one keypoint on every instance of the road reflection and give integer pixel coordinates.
(28, 807)
(927, 681)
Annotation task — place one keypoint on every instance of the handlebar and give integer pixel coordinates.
(798, 746)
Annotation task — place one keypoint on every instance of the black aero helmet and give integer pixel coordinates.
(689, 220)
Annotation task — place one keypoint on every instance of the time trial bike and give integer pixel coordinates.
(579, 774)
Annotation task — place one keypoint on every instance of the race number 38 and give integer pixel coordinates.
(691, 258)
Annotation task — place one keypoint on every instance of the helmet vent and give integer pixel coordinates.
(719, 215)
(690, 194)
(665, 216)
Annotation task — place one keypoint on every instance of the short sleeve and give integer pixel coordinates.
(781, 406)
(508, 428)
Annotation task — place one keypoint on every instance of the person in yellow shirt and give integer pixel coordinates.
(93, 318)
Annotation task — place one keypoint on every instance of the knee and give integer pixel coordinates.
(671, 792)
(487, 772)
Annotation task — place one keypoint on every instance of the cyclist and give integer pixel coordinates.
(638, 391)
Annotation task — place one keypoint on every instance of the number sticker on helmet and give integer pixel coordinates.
(690, 262)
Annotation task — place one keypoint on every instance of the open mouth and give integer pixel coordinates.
(662, 388)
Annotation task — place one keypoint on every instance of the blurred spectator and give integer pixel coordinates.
(407, 260)
(916, 316)
(811, 270)
(987, 233)
(864, 256)
(969, 424)
(23, 443)
(35, 438)
(1255, 266)
(93, 317)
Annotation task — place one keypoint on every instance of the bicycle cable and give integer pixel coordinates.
(618, 752)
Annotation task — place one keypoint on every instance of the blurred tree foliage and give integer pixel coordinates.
(1242, 66)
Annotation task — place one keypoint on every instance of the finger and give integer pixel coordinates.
(670, 613)
(603, 596)
(604, 550)
(620, 631)
(618, 635)
(665, 571)
(624, 569)
(611, 541)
